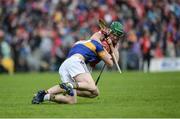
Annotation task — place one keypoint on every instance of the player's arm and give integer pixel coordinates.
(97, 36)
(107, 58)
(102, 53)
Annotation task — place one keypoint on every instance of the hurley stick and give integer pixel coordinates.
(100, 74)
(114, 58)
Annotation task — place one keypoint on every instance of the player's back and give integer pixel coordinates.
(89, 49)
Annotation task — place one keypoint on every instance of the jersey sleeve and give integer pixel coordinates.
(99, 49)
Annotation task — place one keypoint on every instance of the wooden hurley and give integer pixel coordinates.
(114, 58)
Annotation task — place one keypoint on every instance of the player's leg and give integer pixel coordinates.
(44, 95)
(87, 94)
(81, 78)
(66, 99)
(55, 90)
(63, 98)
(51, 92)
(86, 85)
(55, 94)
(60, 98)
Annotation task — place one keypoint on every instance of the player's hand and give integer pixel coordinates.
(109, 41)
(106, 31)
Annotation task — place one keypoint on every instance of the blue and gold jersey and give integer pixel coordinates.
(92, 50)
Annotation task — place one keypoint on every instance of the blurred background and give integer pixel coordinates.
(35, 35)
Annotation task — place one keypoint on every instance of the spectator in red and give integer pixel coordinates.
(146, 49)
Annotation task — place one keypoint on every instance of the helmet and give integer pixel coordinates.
(117, 28)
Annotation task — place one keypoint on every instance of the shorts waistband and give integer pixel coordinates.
(79, 56)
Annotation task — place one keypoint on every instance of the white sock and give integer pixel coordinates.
(47, 97)
(71, 85)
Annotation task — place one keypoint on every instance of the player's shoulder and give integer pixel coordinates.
(97, 36)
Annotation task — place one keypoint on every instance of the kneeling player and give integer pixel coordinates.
(75, 75)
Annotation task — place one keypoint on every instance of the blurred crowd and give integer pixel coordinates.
(35, 35)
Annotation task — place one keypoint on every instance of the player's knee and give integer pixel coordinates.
(71, 100)
(95, 93)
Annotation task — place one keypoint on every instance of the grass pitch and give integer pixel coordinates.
(132, 94)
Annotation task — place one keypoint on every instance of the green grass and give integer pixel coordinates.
(132, 94)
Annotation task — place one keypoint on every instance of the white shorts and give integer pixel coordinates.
(71, 67)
